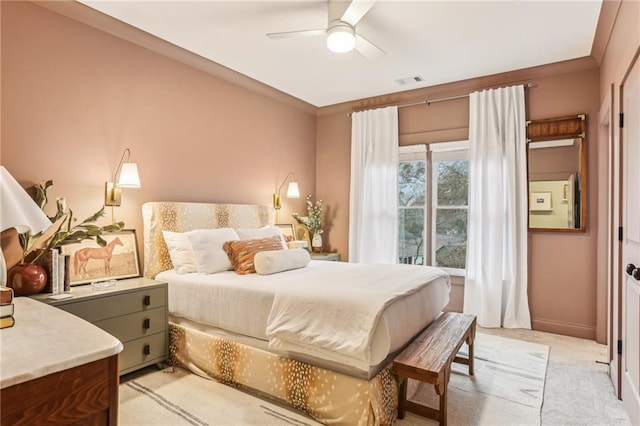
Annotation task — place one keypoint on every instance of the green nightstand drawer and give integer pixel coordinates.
(114, 305)
(143, 351)
(133, 326)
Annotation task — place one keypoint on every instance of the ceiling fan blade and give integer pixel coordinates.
(368, 49)
(291, 34)
(356, 10)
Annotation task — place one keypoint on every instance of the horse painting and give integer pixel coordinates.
(82, 257)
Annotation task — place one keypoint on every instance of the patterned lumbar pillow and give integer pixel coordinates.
(267, 231)
(241, 253)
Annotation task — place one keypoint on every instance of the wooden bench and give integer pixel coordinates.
(428, 359)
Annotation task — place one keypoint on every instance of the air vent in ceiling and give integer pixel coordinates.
(409, 80)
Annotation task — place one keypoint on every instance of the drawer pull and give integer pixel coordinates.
(147, 300)
(146, 350)
(146, 323)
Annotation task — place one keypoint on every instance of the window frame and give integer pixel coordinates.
(431, 153)
(418, 153)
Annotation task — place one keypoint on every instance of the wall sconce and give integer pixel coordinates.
(292, 191)
(128, 179)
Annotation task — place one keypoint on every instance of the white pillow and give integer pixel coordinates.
(207, 244)
(265, 232)
(180, 252)
(270, 262)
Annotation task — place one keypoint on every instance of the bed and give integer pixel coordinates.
(287, 349)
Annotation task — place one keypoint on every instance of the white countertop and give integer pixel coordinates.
(45, 340)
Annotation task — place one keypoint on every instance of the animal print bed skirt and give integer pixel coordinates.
(329, 397)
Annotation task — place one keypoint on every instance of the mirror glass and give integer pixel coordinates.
(557, 174)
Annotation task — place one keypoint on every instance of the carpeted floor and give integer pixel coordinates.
(507, 390)
(578, 390)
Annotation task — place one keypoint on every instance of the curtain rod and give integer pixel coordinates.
(432, 101)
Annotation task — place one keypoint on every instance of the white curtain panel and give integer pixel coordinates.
(373, 205)
(496, 278)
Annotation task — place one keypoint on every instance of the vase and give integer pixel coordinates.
(26, 279)
(316, 243)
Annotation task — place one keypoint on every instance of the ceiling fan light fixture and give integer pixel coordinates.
(341, 38)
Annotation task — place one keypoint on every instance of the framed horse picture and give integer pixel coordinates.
(116, 260)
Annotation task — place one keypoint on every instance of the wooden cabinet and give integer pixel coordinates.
(56, 369)
(134, 311)
(83, 395)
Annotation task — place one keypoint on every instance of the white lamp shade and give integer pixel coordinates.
(341, 39)
(292, 190)
(129, 176)
(17, 209)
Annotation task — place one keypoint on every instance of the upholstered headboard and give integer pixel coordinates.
(183, 217)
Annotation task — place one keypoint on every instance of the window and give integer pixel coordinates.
(433, 184)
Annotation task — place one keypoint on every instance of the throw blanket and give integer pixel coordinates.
(337, 319)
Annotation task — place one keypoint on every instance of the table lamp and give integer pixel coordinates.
(17, 210)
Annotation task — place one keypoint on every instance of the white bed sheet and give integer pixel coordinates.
(241, 303)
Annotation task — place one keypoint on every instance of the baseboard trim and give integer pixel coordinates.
(564, 328)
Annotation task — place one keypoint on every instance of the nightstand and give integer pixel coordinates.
(335, 257)
(134, 311)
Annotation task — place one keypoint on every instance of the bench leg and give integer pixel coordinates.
(470, 343)
(441, 390)
(402, 397)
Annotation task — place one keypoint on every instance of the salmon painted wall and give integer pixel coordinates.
(74, 97)
(562, 284)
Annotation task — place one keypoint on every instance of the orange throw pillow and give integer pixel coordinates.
(242, 252)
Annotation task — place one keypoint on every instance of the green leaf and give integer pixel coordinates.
(97, 215)
(67, 233)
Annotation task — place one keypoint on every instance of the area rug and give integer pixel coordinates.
(507, 389)
(176, 397)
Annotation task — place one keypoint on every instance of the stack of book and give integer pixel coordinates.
(57, 267)
(6, 307)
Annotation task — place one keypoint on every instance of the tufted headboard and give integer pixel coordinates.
(183, 217)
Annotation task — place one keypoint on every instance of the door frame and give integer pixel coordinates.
(607, 292)
(631, 401)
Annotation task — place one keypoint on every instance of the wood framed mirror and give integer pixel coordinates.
(557, 174)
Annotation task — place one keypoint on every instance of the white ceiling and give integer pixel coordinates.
(442, 41)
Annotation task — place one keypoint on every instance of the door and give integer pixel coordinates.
(630, 249)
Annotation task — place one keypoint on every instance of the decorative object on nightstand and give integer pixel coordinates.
(313, 221)
(116, 260)
(6, 307)
(27, 278)
(287, 231)
(17, 210)
(43, 248)
(334, 257)
(301, 233)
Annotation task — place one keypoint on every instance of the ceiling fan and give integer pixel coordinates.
(341, 33)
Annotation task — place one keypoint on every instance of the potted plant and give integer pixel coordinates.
(29, 276)
(313, 222)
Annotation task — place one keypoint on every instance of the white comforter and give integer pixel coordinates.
(245, 305)
(311, 322)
